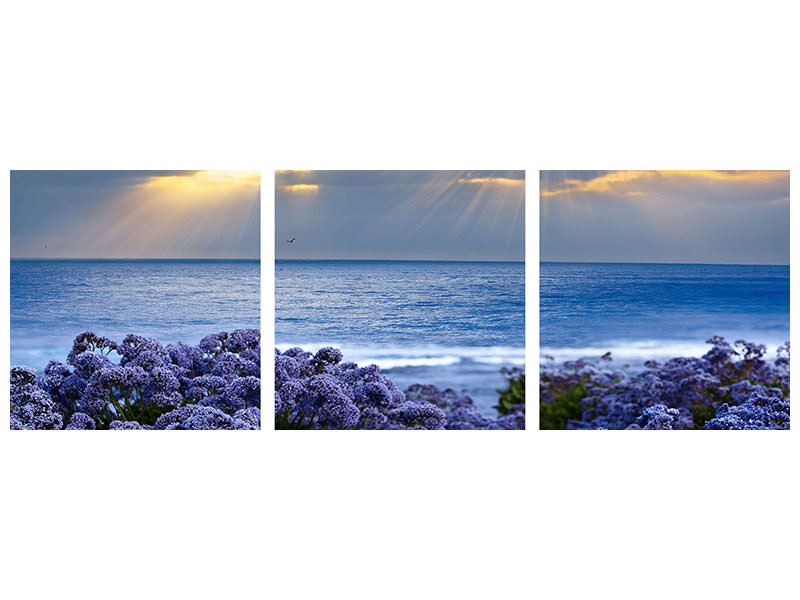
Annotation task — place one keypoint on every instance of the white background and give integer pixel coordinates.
(433, 85)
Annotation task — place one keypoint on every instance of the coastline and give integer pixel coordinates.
(635, 353)
(731, 386)
(324, 390)
(476, 370)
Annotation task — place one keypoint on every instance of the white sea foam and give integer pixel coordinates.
(421, 356)
(639, 351)
(393, 363)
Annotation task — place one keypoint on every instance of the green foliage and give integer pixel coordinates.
(513, 395)
(702, 413)
(149, 414)
(126, 405)
(282, 421)
(565, 406)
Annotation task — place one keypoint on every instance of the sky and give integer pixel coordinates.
(400, 215)
(715, 217)
(135, 214)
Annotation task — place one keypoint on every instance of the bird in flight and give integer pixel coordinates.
(291, 240)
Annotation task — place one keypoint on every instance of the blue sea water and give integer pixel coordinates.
(171, 300)
(641, 311)
(452, 324)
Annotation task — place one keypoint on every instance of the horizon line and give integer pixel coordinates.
(636, 262)
(132, 258)
(404, 259)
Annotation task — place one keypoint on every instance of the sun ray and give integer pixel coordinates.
(165, 214)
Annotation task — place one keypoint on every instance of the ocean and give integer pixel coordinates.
(52, 301)
(452, 324)
(642, 311)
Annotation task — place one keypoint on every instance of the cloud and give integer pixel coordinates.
(300, 188)
(365, 179)
(135, 214)
(89, 178)
(448, 215)
(491, 180)
(637, 183)
(665, 216)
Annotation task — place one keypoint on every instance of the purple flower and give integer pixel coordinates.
(658, 416)
(418, 415)
(327, 356)
(247, 418)
(372, 418)
(230, 365)
(322, 392)
(758, 412)
(328, 404)
(372, 394)
(214, 344)
(749, 350)
(514, 419)
(717, 391)
(189, 358)
(81, 420)
(54, 375)
(243, 392)
(721, 350)
(32, 407)
(194, 416)
(22, 376)
(162, 380)
(468, 417)
(89, 363)
(89, 342)
(134, 345)
(205, 385)
(242, 340)
(121, 425)
(149, 382)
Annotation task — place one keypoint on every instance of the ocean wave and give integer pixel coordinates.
(37, 358)
(421, 356)
(432, 361)
(640, 351)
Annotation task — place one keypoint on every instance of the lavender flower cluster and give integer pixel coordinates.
(214, 385)
(320, 391)
(730, 387)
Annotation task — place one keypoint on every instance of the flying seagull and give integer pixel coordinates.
(291, 240)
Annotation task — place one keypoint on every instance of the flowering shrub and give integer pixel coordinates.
(321, 392)
(215, 385)
(730, 387)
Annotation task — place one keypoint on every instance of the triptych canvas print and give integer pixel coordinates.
(400, 300)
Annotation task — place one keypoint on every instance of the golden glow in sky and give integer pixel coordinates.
(136, 214)
(401, 214)
(632, 183)
(492, 181)
(300, 188)
(167, 214)
(206, 182)
(701, 216)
